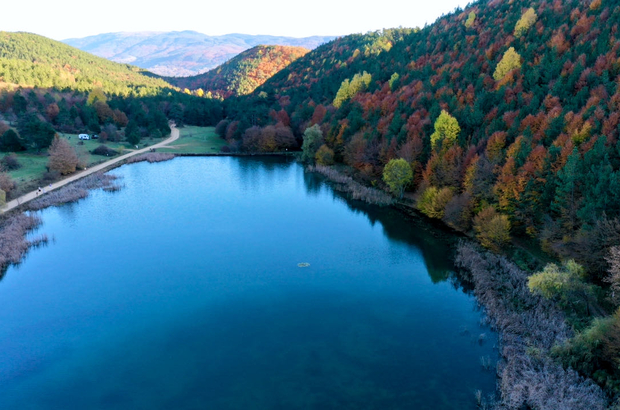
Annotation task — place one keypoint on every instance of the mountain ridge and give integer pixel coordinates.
(181, 53)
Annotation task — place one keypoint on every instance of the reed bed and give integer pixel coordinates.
(75, 191)
(345, 183)
(151, 157)
(528, 326)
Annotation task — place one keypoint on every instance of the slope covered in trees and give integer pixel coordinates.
(30, 60)
(47, 86)
(534, 95)
(508, 115)
(242, 74)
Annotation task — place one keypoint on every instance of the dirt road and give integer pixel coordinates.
(174, 135)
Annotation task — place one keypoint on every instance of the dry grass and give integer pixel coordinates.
(151, 157)
(528, 327)
(13, 242)
(75, 191)
(355, 190)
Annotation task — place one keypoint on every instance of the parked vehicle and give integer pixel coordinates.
(94, 136)
(84, 136)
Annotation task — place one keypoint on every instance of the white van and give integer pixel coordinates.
(84, 136)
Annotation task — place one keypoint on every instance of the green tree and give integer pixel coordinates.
(525, 22)
(393, 79)
(313, 139)
(34, 132)
(397, 175)
(132, 133)
(567, 199)
(510, 61)
(565, 283)
(11, 142)
(348, 89)
(95, 95)
(447, 130)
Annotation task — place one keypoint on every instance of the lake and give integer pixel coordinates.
(183, 291)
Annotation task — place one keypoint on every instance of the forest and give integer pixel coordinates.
(501, 120)
(506, 114)
(242, 74)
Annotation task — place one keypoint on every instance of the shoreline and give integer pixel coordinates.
(488, 298)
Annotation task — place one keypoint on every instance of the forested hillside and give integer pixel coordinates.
(48, 87)
(507, 114)
(31, 60)
(534, 102)
(242, 74)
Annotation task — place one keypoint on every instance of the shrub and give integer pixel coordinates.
(220, 128)
(10, 162)
(492, 229)
(104, 151)
(6, 183)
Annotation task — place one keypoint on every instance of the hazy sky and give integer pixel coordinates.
(61, 19)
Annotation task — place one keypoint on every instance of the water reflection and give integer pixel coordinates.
(418, 235)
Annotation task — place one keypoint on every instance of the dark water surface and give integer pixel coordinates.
(182, 291)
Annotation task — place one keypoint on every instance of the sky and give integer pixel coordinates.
(62, 19)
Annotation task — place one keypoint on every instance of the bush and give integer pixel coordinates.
(492, 229)
(104, 151)
(6, 183)
(50, 176)
(10, 162)
(220, 128)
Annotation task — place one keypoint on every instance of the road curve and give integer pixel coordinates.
(174, 135)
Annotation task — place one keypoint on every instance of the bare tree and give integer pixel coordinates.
(63, 158)
(614, 273)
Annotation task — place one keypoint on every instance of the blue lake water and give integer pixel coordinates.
(183, 291)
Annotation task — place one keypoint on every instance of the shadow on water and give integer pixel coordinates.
(436, 246)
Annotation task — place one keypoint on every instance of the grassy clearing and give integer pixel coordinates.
(196, 140)
(33, 166)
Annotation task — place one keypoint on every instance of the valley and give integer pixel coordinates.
(496, 128)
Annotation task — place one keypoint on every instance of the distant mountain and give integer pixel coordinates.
(30, 60)
(242, 74)
(181, 53)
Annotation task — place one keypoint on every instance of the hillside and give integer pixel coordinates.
(183, 53)
(30, 60)
(508, 116)
(242, 74)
